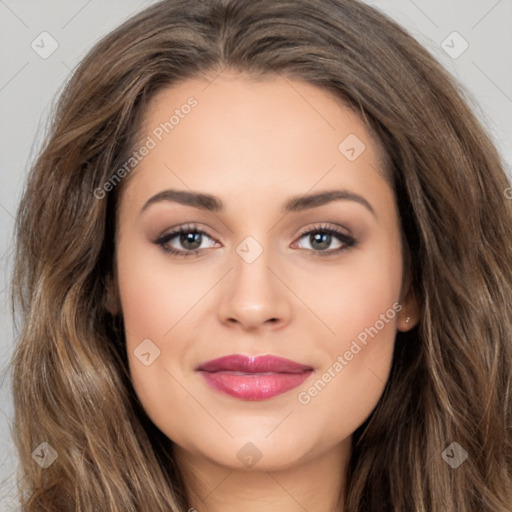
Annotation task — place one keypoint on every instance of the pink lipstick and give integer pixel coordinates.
(253, 378)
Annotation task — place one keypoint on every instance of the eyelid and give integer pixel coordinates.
(186, 228)
(345, 238)
(325, 227)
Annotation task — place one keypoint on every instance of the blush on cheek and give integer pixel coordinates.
(369, 318)
(151, 304)
(363, 357)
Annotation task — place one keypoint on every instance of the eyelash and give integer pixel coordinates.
(347, 240)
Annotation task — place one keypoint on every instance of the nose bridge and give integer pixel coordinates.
(253, 294)
(252, 278)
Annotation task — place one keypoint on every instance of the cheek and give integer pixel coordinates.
(362, 308)
(348, 387)
(157, 299)
(360, 299)
(155, 294)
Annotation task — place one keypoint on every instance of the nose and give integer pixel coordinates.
(254, 295)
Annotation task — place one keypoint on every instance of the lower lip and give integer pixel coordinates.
(257, 386)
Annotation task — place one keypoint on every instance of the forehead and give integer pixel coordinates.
(240, 133)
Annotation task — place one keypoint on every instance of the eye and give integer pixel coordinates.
(320, 237)
(189, 237)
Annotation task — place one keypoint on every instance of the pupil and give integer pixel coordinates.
(192, 237)
(317, 237)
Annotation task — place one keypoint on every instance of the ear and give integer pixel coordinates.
(409, 315)
(111, 298)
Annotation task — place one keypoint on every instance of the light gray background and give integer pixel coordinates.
(30, 84)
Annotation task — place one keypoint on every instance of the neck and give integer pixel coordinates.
(314, 484)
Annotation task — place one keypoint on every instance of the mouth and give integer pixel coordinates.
(253, 378)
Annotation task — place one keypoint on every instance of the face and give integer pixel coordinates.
(300, 288)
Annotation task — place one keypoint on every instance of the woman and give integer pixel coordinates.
(339, 339)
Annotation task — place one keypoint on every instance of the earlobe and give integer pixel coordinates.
(410, 313)
(406, 322)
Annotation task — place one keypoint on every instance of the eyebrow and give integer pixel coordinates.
(295, 204)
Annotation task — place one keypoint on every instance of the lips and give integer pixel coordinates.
(253, 378)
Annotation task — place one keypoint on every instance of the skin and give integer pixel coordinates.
(255, 144)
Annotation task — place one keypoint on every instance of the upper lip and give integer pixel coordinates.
(253, 364)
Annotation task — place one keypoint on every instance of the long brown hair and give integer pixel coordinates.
(451, 375)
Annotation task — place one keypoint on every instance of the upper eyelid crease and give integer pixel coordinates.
(295, 204)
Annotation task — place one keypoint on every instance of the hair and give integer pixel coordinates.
(451, 375)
